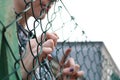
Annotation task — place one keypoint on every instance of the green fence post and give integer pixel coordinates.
(8, 43)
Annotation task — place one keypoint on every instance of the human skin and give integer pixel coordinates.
(19, 5)
(70, 68)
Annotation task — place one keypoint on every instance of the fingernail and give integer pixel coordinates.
(71, 69)
(49, 57)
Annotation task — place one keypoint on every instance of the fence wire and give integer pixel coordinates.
(96, 64)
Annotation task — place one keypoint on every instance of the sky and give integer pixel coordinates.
(100, 19)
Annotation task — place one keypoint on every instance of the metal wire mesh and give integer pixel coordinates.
(94, 61)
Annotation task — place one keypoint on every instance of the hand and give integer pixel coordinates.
(32, 49)
(70, 69)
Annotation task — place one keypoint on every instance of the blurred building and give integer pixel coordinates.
(93, 57)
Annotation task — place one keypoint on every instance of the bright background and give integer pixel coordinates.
(100, 19)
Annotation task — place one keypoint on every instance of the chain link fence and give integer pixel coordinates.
(93, 57)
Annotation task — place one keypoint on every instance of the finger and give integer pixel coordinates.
(77, 67)
(56, 35)
(50, 57)
(45, 51)
(52, 36)
(47, 36)
(70, 63)
(49, 43)
(67, 52)
(42, 51)
(73, 69)
(80, 73)
(47, 46)
(68, 71)
(71, 75)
